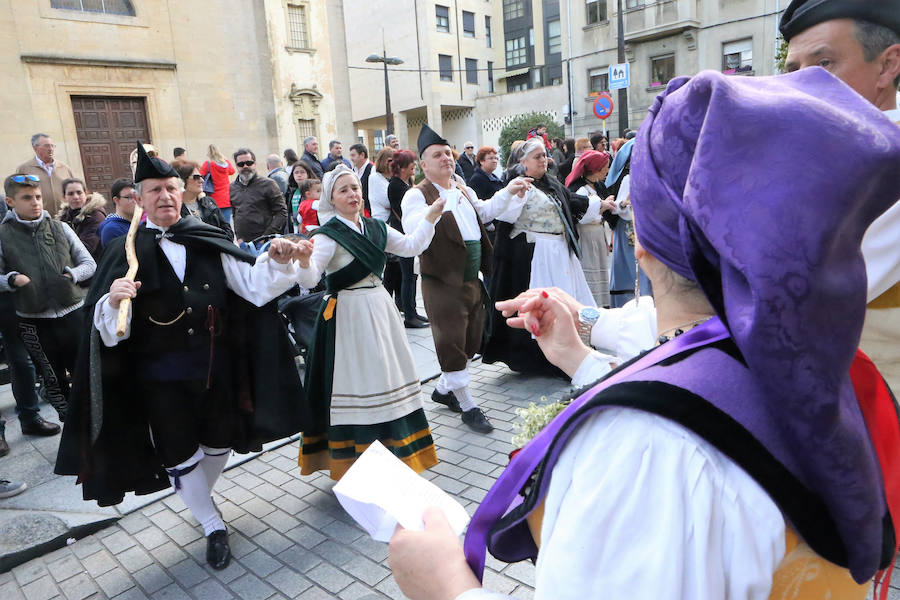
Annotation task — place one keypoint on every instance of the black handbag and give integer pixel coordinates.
(208, 185)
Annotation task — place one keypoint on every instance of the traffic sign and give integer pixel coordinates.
(619, 76)
(603, 105)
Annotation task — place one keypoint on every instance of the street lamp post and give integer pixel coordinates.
(386, 60)
(623, 92)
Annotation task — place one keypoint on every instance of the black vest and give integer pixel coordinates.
(173, 316)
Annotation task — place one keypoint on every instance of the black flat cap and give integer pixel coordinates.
(800, 15)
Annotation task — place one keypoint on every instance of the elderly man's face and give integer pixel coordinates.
(394, 143)
(161, 200)
(833, 46)
(313, 146)
(44, 149)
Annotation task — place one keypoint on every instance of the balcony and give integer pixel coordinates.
(647, 20)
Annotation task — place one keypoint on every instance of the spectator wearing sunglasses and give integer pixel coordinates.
(41, 261)
(259, 207)
(194, 201)
(467, 161)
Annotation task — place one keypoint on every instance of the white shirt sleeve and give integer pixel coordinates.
(639, 507)
(624, 193)
(411, 244)
(378, 198)
(105, 320)
(595, 203)
(414, 209)
(879, 248)
(594, 366)
(323, 251)
(503, 206)
(262, 282)
(626, 332)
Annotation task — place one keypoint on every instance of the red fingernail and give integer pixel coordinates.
(545, 294)
(534, 330)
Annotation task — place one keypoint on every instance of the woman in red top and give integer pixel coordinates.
(222, 169)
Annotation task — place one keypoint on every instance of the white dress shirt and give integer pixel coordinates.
(466, 213)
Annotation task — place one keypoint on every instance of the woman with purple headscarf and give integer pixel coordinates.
(734, 459)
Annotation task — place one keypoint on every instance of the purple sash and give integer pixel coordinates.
(504, 495)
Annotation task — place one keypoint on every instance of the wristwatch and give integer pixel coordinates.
(587, 316)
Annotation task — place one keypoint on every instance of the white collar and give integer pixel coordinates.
(42, 163)
(351, 224)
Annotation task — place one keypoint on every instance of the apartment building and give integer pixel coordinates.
(452, 53)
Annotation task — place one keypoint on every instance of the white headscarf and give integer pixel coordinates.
(326, 206)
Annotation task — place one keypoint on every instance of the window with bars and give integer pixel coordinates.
(513, 9)
(471, 70)
(445, 65)
(298, 27)
(306, 128)
(598, 80)
(468, 24)
(442, 17)
(487, 31)
(737, 57)
(490, 77)
(662, 70)
(109, 7)
(554, 37)
(596, 11)
(516, 52)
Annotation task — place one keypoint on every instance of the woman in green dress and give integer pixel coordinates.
(361, 382)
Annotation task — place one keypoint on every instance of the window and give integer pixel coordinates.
(513, 9)
(468, 24)
(471, 70)
(596, 11)
(109, 7)
(633, 4)
(662, 70)
(305, 128)
(298, 30)
(516, 53)
(598, 80)
(517, 87)
(490, 77)
(554, 37)
(737, 57)
(442, 14)
(487, 31)
(536, 77)
(445, 64)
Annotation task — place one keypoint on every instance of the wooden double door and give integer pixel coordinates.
(108, 128)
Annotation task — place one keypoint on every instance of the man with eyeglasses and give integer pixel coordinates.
(48, 170)
(259, 207)
(467, 161)
(116, 224)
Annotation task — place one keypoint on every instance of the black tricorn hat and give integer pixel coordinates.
(151, 167)
(429, 137)
(800, 15)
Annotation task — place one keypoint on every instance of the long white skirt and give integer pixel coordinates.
(375, 379)
(553, 265)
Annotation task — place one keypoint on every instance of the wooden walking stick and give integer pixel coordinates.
(131, 256)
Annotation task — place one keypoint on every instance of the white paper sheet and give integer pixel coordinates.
(452, 199)
(379, 491)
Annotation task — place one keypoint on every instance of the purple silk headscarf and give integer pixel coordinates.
(760, 189)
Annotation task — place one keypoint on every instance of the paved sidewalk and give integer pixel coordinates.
(289, 535)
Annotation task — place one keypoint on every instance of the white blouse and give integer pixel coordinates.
(640, 507)
(330, 256)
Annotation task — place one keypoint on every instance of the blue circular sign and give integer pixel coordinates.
(603, 105)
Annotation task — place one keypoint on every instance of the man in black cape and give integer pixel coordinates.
(204, 366)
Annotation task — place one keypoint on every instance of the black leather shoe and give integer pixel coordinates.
(39, 426)
(476, 421)
(420, 317)
(415, 323)
(448, 400)
(4, 447)
(218, 553)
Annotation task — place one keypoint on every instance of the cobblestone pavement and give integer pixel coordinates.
(289, 535)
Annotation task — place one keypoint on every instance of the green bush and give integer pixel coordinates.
(518, 129)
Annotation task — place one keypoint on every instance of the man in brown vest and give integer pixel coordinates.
(454, 295)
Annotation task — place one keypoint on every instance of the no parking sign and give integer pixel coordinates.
(603, 105)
